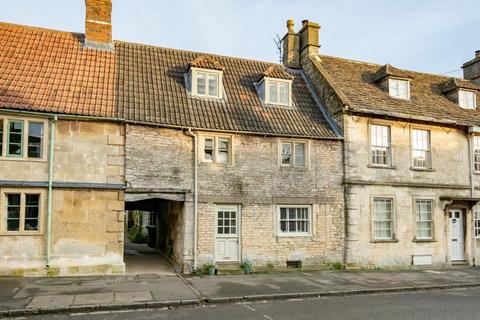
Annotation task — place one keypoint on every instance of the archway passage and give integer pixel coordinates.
(153, 235)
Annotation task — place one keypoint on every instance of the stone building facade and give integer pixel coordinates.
(254, 184)
(410, 159)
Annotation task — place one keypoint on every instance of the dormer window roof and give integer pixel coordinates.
(393, 80)
(205, 78)
(275, 87)
(461, 91)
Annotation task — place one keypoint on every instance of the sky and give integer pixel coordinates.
(422, 35)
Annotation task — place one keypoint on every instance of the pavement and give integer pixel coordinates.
(141, 259)
(26, 296)
(427, 305)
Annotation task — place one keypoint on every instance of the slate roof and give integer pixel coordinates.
(152, 89)
(50, 71)
(356, 81)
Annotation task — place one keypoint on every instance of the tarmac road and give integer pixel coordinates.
(442, 304)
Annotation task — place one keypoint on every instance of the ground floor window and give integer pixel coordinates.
(22, 212)
(476, 213)
(382, 218)
(294, 220)
(424, 221)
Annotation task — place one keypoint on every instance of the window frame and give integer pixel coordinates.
(476, 153)
(416, 221)
(463, 102)
(476, 222)
(4, 154)
(293, 143)
(389, 155)
(192, 79)
(264, 86)
(310, 221)
(429, 161)
(393, 237)
(23, 194)
(216, 148)
(398, 80)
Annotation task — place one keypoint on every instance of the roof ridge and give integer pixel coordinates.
(401, 69)
(198, 52)
(17, 25)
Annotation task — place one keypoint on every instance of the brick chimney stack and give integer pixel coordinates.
(98, 24)
(471, 69)
(291, 47)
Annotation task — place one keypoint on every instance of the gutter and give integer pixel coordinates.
(50, 188)
(195, 195)
(61, 116)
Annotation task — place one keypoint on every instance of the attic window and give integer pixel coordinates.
(399, 88)
(466, 99)
(275, 87)
(204, 78)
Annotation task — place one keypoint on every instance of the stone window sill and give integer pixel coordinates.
(424, 240)
(384, 241)
(422, 169)
(376, 166)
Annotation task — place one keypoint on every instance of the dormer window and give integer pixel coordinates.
(204, 78)
(466, 99)
(399, 88)
(275, 87)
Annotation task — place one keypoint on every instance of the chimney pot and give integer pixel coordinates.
(290, 25)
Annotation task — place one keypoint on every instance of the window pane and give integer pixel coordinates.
(283, 92)
(208, 149)
(201, 83)
(213, 85)
(286, 153)
(300, 154)
(382, 217)
(223, 150)
(13, 212)
(424, 210)
(35, 137)
(1, 137)
(272, 87)
(15, 133)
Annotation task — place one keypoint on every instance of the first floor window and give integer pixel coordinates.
(1, 137)
(424, 213)
(35, 139)
(216, 149)
(293, 154)
(15, 138)
(476, 213)
(295, 220)
(380, 144)
(421, 148)
(383, 218)
(22, 212)
(476, 153)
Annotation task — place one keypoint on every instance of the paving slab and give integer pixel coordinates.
(94, 299)
(53, 301)
(133, 296)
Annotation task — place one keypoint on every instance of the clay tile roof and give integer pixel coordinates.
(454, 84)
(206, 62)
(390, 71)
(152, 89)
(357, 81)
(277, 72)
(48, 70)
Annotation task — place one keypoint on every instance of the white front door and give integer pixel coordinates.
(226, 240)
(457, 241)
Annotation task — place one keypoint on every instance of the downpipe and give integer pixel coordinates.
(195, 195)
(53, 123)
(472, 195)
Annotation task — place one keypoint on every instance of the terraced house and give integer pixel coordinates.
(235, 159)
(411, 155)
